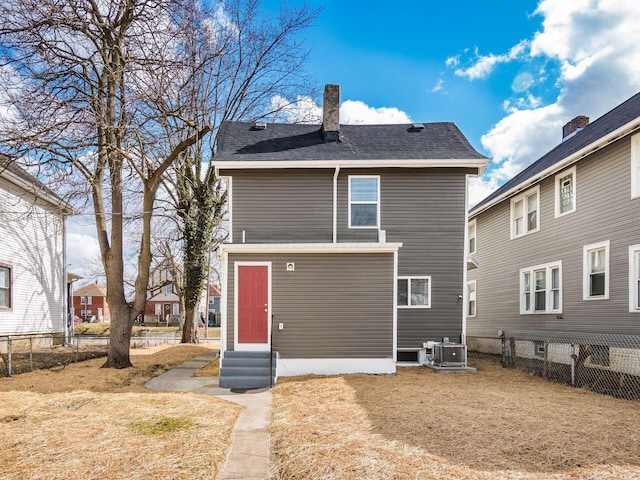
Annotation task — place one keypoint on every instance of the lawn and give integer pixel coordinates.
(418, 424)
(81, 421)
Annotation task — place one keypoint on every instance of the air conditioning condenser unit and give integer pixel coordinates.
(450, 354)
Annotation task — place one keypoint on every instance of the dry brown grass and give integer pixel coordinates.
(91, 423)
(418, 424)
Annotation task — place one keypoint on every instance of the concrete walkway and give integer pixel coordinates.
(248, 456)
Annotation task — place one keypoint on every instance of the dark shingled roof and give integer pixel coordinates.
(241, 141)
(609, 122)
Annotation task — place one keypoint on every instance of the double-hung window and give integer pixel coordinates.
(525, 217)
(595, 283)
(414, 292)
(541, 288)
(566, 192)
(364, 201)
(89, 300)
(634, 278)
(83, 300)
(5, 287)
(471, 233)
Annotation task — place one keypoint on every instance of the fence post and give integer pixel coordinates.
(545, 365)
(512, 346)
(573, 365)
(31, 353)
(9, 352)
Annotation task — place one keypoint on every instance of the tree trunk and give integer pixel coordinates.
(119, 337)
(190, 328)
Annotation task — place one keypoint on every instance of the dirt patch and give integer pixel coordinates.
(56, 357)
(87, 422)
(418, 424)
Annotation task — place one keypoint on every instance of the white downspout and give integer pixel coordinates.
(335, 203)
(465, 292)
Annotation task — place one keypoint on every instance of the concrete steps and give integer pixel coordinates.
(247, 370)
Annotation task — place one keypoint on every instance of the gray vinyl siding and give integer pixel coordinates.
(425, 210)
(332, 305)
(282, 205)
(422, 208)
(605, 211)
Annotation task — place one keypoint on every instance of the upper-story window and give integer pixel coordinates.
(566, 192)
(168, 288)
(541, 288)
(5, 287)
(525, 216)
(471, 233)
(595, 282)
(83, 300)
(635, 166)
(364, 201)
(634, 278)
(89, 300)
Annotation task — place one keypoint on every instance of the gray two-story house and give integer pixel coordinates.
(346, 247)
(557, 248)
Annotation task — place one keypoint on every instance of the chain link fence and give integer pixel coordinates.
(604, 363)
(24, 353)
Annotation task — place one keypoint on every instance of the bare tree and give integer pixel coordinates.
(82, 82)
(115, 92)
(261, 60)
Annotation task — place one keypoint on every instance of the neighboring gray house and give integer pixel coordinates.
(33, 277)
(346, 246)
(557, 248)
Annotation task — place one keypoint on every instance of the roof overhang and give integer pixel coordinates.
(478, 163)
(54, 201)
(593, 147)
(310, 247)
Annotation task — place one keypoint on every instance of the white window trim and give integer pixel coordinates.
(377, 203)
(531, 270)
(475, 236)
(475, 290)
(409, 278)
(586, 266)
(634, 301)
(89, 300)
(635, 166)
(571, 171)
(523, 196)
(83, 300)
(9, 289)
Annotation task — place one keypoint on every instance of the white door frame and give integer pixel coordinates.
(252, 347)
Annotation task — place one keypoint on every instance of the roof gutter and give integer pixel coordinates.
(479, 163)
(593, 147)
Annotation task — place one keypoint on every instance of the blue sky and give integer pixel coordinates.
(508, 73)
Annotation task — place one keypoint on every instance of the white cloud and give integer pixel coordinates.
(354, 112)
(303, 110)
(594, 43)
(83, 251)
(485, 64)
(438, 86)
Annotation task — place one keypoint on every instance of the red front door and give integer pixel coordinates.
(253, 304)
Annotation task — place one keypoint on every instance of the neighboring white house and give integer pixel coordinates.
(33, 277)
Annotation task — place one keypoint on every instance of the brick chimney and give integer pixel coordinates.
(331, 113)
(578, 123)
